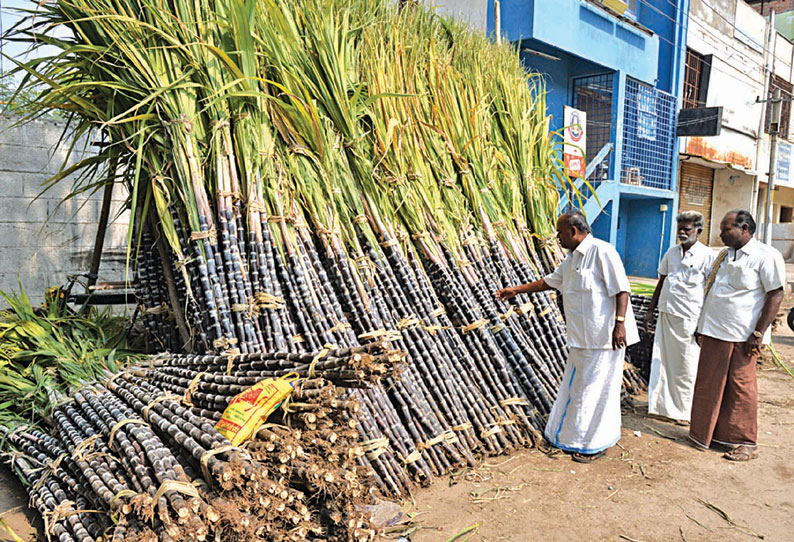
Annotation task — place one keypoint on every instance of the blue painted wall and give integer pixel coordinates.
(643, 230)
(583, 30)
(602, 227)
(557, 75)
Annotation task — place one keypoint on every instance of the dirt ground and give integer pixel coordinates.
(650, 487)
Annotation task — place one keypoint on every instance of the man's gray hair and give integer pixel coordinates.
(575, 218)
(697, 220)
(743, 217)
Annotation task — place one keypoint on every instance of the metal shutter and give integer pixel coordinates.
(695, 187)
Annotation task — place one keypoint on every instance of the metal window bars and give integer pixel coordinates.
(593, 95)
(649, 119)
(692, 78)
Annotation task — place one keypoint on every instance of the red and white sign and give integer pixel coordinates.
(575, 141)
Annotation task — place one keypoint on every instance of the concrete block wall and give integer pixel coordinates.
(42, 237)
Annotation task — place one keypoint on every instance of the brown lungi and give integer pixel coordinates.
(725, 402)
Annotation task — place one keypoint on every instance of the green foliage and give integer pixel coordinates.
(43, 353)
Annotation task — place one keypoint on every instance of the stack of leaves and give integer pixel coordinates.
(310, 176)
(49, 350)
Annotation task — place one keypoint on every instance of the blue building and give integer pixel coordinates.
(622, 64)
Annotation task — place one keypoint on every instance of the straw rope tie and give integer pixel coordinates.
(413, 457)
(462, 427)
(544, 312)
(340, 327)
(209, 454)
(121, 494)
(390, 243)
(360, 219)
(257, 206)
(119, 425)
(375, 448)
(496, 328)
(84, 447)
(192, 388)
(451, 437)
(510, 312)
(298, 338)
(184, 488)
(408, 322)
(200, 235)
(230, 363)
(147, 408)
(473, 326)
(51, 469)
(495, 429)
(317, 358)
(514, 401)
(438, 439)
(526, 308)
(275, 218)
(439, 312)
(223, 343)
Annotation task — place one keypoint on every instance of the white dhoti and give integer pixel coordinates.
(674, 367)
(585, 417)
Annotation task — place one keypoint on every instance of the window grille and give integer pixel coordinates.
(593, 95)
(649, 119)
(693, 79)
(785, 88)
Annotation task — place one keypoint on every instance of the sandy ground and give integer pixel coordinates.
(651, 487)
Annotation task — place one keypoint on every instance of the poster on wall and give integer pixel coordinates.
(783, 169)
(575, 139)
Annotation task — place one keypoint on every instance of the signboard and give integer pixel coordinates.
(783, 169)
(575, 142)
(699, 121)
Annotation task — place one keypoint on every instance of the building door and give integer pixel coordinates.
(695, 188)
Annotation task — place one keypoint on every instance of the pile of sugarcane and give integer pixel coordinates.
(641, 353)
(138, 457)
(309, 177)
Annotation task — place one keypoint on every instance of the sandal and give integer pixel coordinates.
(742, 453)
(682, 423)
(587, 458)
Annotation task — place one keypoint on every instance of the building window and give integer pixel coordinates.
(649, 121)
(785, 88)
(786, 214)
(593, 95)
(696, 79)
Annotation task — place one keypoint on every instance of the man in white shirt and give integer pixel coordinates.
(743, 295)
(585, 418)
(679, 296)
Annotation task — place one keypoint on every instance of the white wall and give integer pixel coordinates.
(41, 241)
(475, 12)
(732, 190)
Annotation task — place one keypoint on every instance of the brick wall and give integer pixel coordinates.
(779, 6)
(41, 242)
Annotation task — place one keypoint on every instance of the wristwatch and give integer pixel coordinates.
(620, 318)
(757, 334)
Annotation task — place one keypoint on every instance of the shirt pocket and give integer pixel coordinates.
(583, 281)
(692, 276)
(742, 278)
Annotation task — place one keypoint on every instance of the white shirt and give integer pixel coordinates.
(682, 291)
(590, 277)
(734, 303)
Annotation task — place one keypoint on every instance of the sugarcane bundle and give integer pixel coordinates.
(128, 459)
(312, 176)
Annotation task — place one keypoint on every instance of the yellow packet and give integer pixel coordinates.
(249, 409)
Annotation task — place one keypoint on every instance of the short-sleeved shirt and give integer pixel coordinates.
(734, 303)
(589, 278)
(686, 272)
